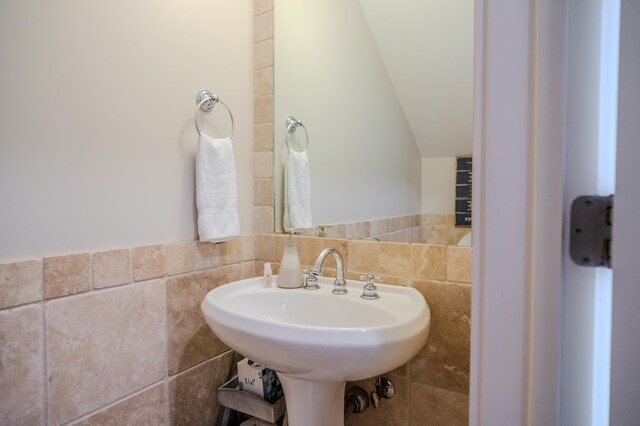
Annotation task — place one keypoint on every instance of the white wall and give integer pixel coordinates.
(427, 47)
(328, 73)
(439, 185)
(97, 138)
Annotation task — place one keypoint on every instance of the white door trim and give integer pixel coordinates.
(517, 198)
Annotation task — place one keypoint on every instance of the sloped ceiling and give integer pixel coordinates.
(427, 48)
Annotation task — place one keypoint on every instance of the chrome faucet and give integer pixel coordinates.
(339, 285)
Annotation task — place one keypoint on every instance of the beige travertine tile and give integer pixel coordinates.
(308, 232)
(148, 262)
(415, 235)
(263, 82)
(263, 138)
(181, 257)
(145, 408)
(447, 235)
(263, 54)
(336, 231)
(20, 282)
(192, 394)
(211, 255)
(265, 247)
(395, 224)
(263, 192)
(438, 220)
(402, 371)
(262, 112)
(263, 221)
(308, 250)
(357, 230)
(190, 339)
(262, 165)
(22, 380)
(444, 360)
(104, 345)
(437, 407)
(459, 264)
(208, 255)
(378, 226)
(391, 412)
(401, 236)
(262, 6)
(438, 235)
(112, 267)
(248, 251)
(65, 275)
(380, 258)
(310, 247)
(263, 27)
(248, 269)
(280, 241)
(428, 262)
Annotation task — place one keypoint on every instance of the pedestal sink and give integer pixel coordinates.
(317, 340)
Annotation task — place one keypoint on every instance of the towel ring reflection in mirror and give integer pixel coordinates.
(292, 124)
(206, 101)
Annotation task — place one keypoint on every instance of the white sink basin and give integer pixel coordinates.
(312, 336)
(315, 334)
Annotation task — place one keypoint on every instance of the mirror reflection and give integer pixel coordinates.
(384, 90)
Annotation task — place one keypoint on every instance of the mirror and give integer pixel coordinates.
(384, 90)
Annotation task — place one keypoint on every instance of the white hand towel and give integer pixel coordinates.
(216, 190)
(297, 191)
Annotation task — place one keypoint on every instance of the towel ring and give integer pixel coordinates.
(292, 124)
(206, 101)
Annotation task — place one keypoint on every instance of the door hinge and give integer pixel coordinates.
(591, 220)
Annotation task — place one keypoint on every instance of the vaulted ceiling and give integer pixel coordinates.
(427, 48)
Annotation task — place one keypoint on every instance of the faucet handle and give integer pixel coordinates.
(311, 282)
(370, 291)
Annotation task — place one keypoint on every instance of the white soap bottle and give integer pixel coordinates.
(290, 274)
(267, 275)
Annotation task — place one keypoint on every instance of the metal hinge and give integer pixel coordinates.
(591, 220)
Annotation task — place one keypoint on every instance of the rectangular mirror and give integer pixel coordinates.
(384, 90)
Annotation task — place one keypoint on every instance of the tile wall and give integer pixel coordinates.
(116, 336)
(405, 229)
(263, 197)
(433, 388)
(441, 229)
(419, 228)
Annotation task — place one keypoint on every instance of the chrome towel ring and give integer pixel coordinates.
(292, 124)
(206, 101)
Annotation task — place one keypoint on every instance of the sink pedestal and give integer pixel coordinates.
(313, 402)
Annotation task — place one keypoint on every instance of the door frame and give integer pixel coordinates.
(517, 208)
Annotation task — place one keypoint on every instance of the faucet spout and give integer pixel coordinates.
(339, 285)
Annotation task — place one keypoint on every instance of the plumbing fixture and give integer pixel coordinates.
(339, 285)
(311, 282)
(384, 389)
(369, 291)
(355, 401)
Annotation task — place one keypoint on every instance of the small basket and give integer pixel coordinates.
(231, 397)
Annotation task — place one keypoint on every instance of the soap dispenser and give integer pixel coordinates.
(290, 275)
